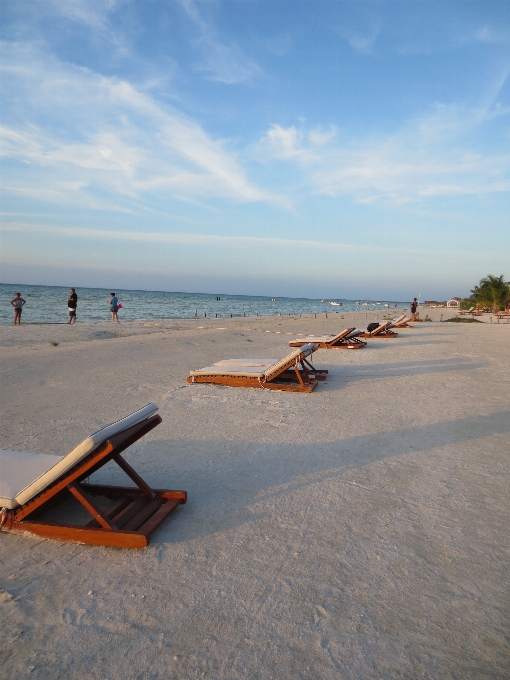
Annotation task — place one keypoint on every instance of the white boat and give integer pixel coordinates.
(337, 304)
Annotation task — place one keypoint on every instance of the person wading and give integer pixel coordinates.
(114, 302)
(72, 303)
(17, 302)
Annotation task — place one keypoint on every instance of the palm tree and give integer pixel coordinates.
(492, 291)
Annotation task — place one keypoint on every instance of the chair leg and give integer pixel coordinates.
(90, 506)
(133, 475)
(296, 369)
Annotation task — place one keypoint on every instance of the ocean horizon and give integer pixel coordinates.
(48, 304)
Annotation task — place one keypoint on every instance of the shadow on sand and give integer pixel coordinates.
(398, 369)
(225, 479)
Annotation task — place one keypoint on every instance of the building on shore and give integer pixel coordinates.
(434, 304)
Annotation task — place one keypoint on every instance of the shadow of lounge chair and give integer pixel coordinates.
(31, 483)
(346, 339)
(293, 373)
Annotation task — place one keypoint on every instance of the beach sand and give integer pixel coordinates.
(360, 531)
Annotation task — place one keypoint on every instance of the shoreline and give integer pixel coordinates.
(330, 322)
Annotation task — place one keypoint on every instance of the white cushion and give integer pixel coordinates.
(253, 371)
(324, 338)
(23, 475)
(18, 470)
(315, 338)
(231, 371)
(246, 362)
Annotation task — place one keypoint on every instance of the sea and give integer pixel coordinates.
(48, 304)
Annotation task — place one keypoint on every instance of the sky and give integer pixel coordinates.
(305, 148)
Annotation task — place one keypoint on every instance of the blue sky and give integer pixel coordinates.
(303, 148)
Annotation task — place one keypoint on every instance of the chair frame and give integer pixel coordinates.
(129, 523)
(342, 342)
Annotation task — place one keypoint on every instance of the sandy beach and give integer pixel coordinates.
(360, 531)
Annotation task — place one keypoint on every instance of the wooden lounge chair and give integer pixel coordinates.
(347, 339)
(401, 322)
(31, 483)
(382, 331)
(320, 374)
(463, 312)
(291, 373)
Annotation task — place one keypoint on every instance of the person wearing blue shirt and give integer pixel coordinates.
(113, 302)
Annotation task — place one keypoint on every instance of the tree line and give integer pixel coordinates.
(493, 293)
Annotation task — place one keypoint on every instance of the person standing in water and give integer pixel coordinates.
(72, 303)
(17, 302)
(113, 302)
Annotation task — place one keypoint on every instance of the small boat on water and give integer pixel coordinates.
(337, 304)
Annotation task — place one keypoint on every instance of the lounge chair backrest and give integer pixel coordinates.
(81, 451)
(380, 328)
(354, 334)
(102, 435)
(399, 319)
(339, 336)
(289, 360)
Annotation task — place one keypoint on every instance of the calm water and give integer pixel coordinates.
(48, 304)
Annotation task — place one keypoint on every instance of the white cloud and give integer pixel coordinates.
(493, 35)
(274, 249)
(430, 156)
(362, 40)
(223, 61)
(226, 63)
(85, 129)
(91, 13)
(203, 240)
(318, 137)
